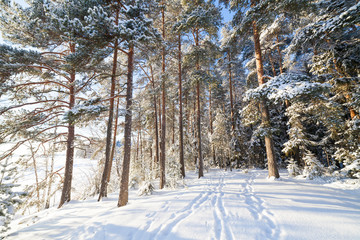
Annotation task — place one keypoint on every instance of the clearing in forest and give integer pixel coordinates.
(222, 205)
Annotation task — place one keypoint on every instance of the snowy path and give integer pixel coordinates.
(223, 205)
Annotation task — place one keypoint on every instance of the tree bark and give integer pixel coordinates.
(173, 124)
(200, 159)
(124, 183)
(272, 64)
(265, 116)
(193, 130)
(163, 127)
(181, 128)
(37, 188)
(114, 141)
(160, 129)
(66, 191)
(156, 119)
(211, 124)
(104, 179)
(231, 93)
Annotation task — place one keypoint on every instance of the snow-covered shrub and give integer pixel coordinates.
(293, 168)
(313, 167)
(9, 199)
(137, 173)
(133, 183)
(91, 185)
(173, 169)
(146, 188)
(348, 149)
(352, 170)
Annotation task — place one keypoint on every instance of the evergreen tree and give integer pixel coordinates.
(135, 29)
(60, 32)
(220, 138)
(9, 199)
(199, 17)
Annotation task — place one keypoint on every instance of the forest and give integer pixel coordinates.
(148, 90)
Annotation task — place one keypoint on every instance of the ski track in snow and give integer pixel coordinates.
(221, 206)
(90, 227)
(175, 218)
(220, 213)
(212, 196)
(150, 220)
(259, 210)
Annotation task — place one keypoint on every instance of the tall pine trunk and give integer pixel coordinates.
(66, 191)
(231, 93)
(124, 183)
(200, 159)
(156, 119)
(114, 141)
(265, 116)
(181, 133)
(160, 127)
(108, 161)
(211, 124)
(271, 63)
(173, 123)
(163, 127)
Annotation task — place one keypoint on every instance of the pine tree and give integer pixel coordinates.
(9, 199)
(108, 160)
(220, 138)
(334, 60)
(313, 167)
(163, 97)
(65, 52)
(135, 20)
(197, 18)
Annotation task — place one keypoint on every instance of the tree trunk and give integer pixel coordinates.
(160, 129)
(137, 145)
(173, 123)
(280, 55)
(156, 118)
(104, 179)
(200, 159)
(114, 141)
(265, 116)
(231, 94)
(181, 129)
(187, 112)
(193, 130)
(48, 194)
(124, 183)
(163, 127)
(211, 125)
(272, 64)
(37, 188)
(66, 191)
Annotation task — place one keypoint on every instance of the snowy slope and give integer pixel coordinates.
(222, 205)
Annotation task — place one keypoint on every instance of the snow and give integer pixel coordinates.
(222, 205)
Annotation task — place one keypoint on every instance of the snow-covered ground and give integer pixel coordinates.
(222, 205)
